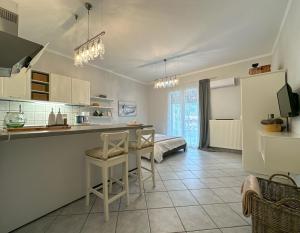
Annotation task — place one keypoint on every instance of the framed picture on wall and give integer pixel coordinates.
(127, 108)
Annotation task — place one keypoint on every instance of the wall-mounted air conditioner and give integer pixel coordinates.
(227, 82)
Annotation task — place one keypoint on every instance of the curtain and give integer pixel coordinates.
(204, 113)
(183, 117)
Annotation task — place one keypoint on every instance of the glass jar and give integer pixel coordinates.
(15, 119)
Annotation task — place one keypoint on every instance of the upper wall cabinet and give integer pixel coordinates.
(18, 86)
(60, 88)
(1, 87)
(80, 92)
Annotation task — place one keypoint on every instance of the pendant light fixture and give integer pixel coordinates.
(166, 81)
(92, 48)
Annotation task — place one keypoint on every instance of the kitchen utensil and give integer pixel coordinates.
(59, 118)
(51, 118)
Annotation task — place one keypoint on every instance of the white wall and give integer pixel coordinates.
(226, 102)
(287, 52)
(102, 82)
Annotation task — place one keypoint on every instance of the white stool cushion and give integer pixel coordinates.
(133, 145)
(98, 153)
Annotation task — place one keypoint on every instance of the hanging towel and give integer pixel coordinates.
(250, 186)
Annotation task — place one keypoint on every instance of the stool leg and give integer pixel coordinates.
(110, 179)
(105, 192)
(152, 168)
(88, 182)
(125, 179)
(139, 168)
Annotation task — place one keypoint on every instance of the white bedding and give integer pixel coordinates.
(163, 144)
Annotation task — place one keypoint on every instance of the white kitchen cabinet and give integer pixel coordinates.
(1, 87)
(18, 86)
(80, 92)
(259, 98)
(273, 148)
(60, 88)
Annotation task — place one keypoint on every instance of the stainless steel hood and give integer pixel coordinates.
(15, 53)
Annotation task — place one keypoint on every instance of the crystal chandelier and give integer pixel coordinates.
(166, 81)
(92, 48)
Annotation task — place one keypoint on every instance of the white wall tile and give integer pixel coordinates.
(29, 107)
(14, 106)
(36, 114)
(38, 107)
(29, 123)
(39, 116)
(29, 116)
(2, 115)
(4, 105)
(39, 123)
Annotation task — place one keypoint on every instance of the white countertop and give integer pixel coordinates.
(76, 129)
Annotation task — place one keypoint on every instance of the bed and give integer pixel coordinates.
(166, 145)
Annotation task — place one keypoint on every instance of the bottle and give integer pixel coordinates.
(51, 118)
(59, 118)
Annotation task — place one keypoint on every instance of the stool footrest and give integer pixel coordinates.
(117, 181)
(97, 193)
(146, 178)
(147, 169)
(115, 197)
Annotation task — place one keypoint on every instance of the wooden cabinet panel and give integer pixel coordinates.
(80, 92)
(18, 86)
(60, 88)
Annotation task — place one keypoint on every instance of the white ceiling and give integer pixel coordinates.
(142, 32)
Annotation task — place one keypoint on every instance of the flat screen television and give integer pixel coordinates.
(288, 102)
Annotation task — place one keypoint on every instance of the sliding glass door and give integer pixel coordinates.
(183, 119)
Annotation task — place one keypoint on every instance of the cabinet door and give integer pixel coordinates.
(1, 87)
(80, 92)
(60, 88)
(18, 86)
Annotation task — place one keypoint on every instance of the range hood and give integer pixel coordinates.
(16, 54)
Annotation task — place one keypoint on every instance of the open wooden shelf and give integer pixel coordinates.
(39, 86)
(101, 98)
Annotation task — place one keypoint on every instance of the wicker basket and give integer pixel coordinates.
(279, 209)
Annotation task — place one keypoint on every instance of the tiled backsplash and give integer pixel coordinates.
(37, 113)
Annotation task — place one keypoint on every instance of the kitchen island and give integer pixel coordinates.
(41, 171)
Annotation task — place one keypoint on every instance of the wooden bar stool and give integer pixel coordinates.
(144, 145)
(114, 151)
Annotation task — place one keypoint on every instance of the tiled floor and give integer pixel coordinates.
(195, 192)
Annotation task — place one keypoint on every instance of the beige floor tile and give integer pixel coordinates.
(174, 185)
(193, 183)
(207, 231)
(246, 229)
(223, 215)
(206, 196)
(228, 194)
(237, 207)
(133, 222)
(95, 223)
(67, 224)
(98, 206)
(213, 182)
(185, 174)
(158, 200)
(78, 207)
(195, 218)
(136, 202)
(182, 198)
(159, 186)
(165, 220)
(40, 225)
(168, 175)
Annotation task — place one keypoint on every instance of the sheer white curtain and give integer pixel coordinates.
(183, 114)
